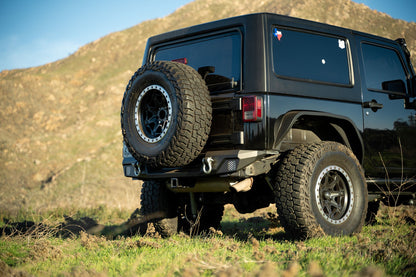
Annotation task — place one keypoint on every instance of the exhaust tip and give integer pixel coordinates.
(243, 186)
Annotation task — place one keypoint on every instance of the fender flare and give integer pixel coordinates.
(343, 126)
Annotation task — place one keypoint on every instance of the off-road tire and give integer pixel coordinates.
(372, 211)
(320, 189)
(166, 114)
(209, 216)
(159, 207)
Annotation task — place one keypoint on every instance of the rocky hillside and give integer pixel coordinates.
(60, 140)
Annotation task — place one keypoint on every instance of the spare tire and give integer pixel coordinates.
(166, 114)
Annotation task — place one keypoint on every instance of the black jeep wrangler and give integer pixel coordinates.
(262, 109)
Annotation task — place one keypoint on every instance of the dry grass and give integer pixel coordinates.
(249, 245)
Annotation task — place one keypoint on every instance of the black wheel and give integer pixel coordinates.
(166, 114)
(321, 189)
(158, 206)
(208, 216)
(372, 211)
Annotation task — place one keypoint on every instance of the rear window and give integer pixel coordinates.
(310, 56)
(217, 58)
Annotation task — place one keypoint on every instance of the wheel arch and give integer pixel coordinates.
(326, 126)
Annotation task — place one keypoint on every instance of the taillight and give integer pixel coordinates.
(252, 108)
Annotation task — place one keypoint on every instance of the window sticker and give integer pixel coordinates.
(277, 33)
(341, 43)
(310, 56)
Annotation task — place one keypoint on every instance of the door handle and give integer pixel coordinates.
(373, 105)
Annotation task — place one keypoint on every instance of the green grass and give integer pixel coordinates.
(248, 245)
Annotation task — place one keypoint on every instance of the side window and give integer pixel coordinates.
(218, 58)
(310, 56)
(383, 69)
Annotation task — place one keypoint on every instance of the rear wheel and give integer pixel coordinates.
(320, 189)
(158, 206)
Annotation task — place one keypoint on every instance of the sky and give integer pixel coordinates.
(36, 32)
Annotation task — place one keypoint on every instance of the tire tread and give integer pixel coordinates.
(193, 120)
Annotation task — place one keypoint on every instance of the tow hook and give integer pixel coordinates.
(207, 165)
(136, 168)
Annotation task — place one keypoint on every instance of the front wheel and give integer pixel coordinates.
(208, 215)
(320, 189)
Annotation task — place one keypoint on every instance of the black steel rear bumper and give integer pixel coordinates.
(227, 163)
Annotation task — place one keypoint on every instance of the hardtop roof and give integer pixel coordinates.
(257, 18)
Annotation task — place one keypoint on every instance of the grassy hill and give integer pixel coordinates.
(60, 139)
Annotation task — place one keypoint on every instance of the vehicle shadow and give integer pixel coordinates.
(258, 227)
(70, 228)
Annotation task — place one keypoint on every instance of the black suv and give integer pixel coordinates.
(262, 109)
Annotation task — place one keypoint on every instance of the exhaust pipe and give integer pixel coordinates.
(212, 185)
(244, 185)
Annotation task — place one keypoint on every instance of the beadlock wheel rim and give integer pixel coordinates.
(153, 113)
(334, 194)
